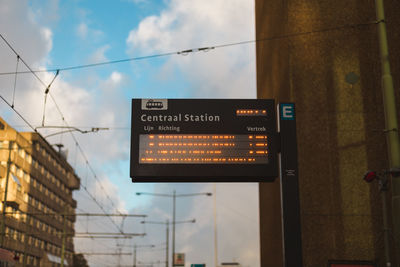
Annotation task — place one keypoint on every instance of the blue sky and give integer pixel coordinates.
(55, 34)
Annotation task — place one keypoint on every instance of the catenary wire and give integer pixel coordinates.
(187, 51)
(84, 187)
(63, 119)
(148, 57)
(15, 81)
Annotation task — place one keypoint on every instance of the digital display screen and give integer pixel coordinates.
(204, 140)
(203, 149)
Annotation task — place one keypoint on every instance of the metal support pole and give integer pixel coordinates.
(3, 220)
(215, 227)
(383, 188)
(167, 242)
(63, 238)
(392, 129)
(26, 239)
(290, 195)
(173, 227)
(134, 255)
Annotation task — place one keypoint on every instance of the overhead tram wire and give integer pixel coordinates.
(15, 81)
(90, 195)
(59, 110)
(63, 119)
(19, 114)
(193, 50)
(33, 72)
(183, 52)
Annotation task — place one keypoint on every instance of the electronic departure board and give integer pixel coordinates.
(203, 140)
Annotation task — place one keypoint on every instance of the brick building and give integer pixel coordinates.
(323, 55)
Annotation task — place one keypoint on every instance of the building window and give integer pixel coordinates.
(21, 152)
(29, 158)
(20, 173)
(13, 168)
(26, 177)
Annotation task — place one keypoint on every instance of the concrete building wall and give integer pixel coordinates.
(340, 124)
(39, 190)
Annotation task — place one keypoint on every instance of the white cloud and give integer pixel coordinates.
(82, 30)
(99, 54)
(100, 101)
(81, 106)
(85, 32)
(237, 222)
(237, 225)
(222, 72)
(138, 1)
(25, 35)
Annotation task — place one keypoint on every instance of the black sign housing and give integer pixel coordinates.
(203, 140)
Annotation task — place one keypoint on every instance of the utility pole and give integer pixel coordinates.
(134, 255)
(3, 220)
(391, 123)
(166, 238)
(215, 227)
(173, 227)
(167, 241)
(135, 247)
(63, 237)
(174, 196)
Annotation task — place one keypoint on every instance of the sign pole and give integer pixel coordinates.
(292, 246)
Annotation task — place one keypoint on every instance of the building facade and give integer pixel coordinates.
(324, 56)
(38, 219)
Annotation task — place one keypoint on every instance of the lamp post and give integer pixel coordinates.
(167, 234)
(174, 196)
(3, 220)
(391, 122)
(167, 237)
(135, 247)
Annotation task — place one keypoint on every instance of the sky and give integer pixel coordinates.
(52, 34)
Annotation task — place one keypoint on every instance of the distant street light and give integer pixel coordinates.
(135, 247)
(167, 234)
(174, 196)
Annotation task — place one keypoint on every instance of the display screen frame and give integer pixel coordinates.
(204, 116)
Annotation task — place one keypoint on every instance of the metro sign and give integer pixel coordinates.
(203, 140)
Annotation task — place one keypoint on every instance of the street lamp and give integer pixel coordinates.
(134, 251)
(135, 247)
(167, 233)
(174, 196)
